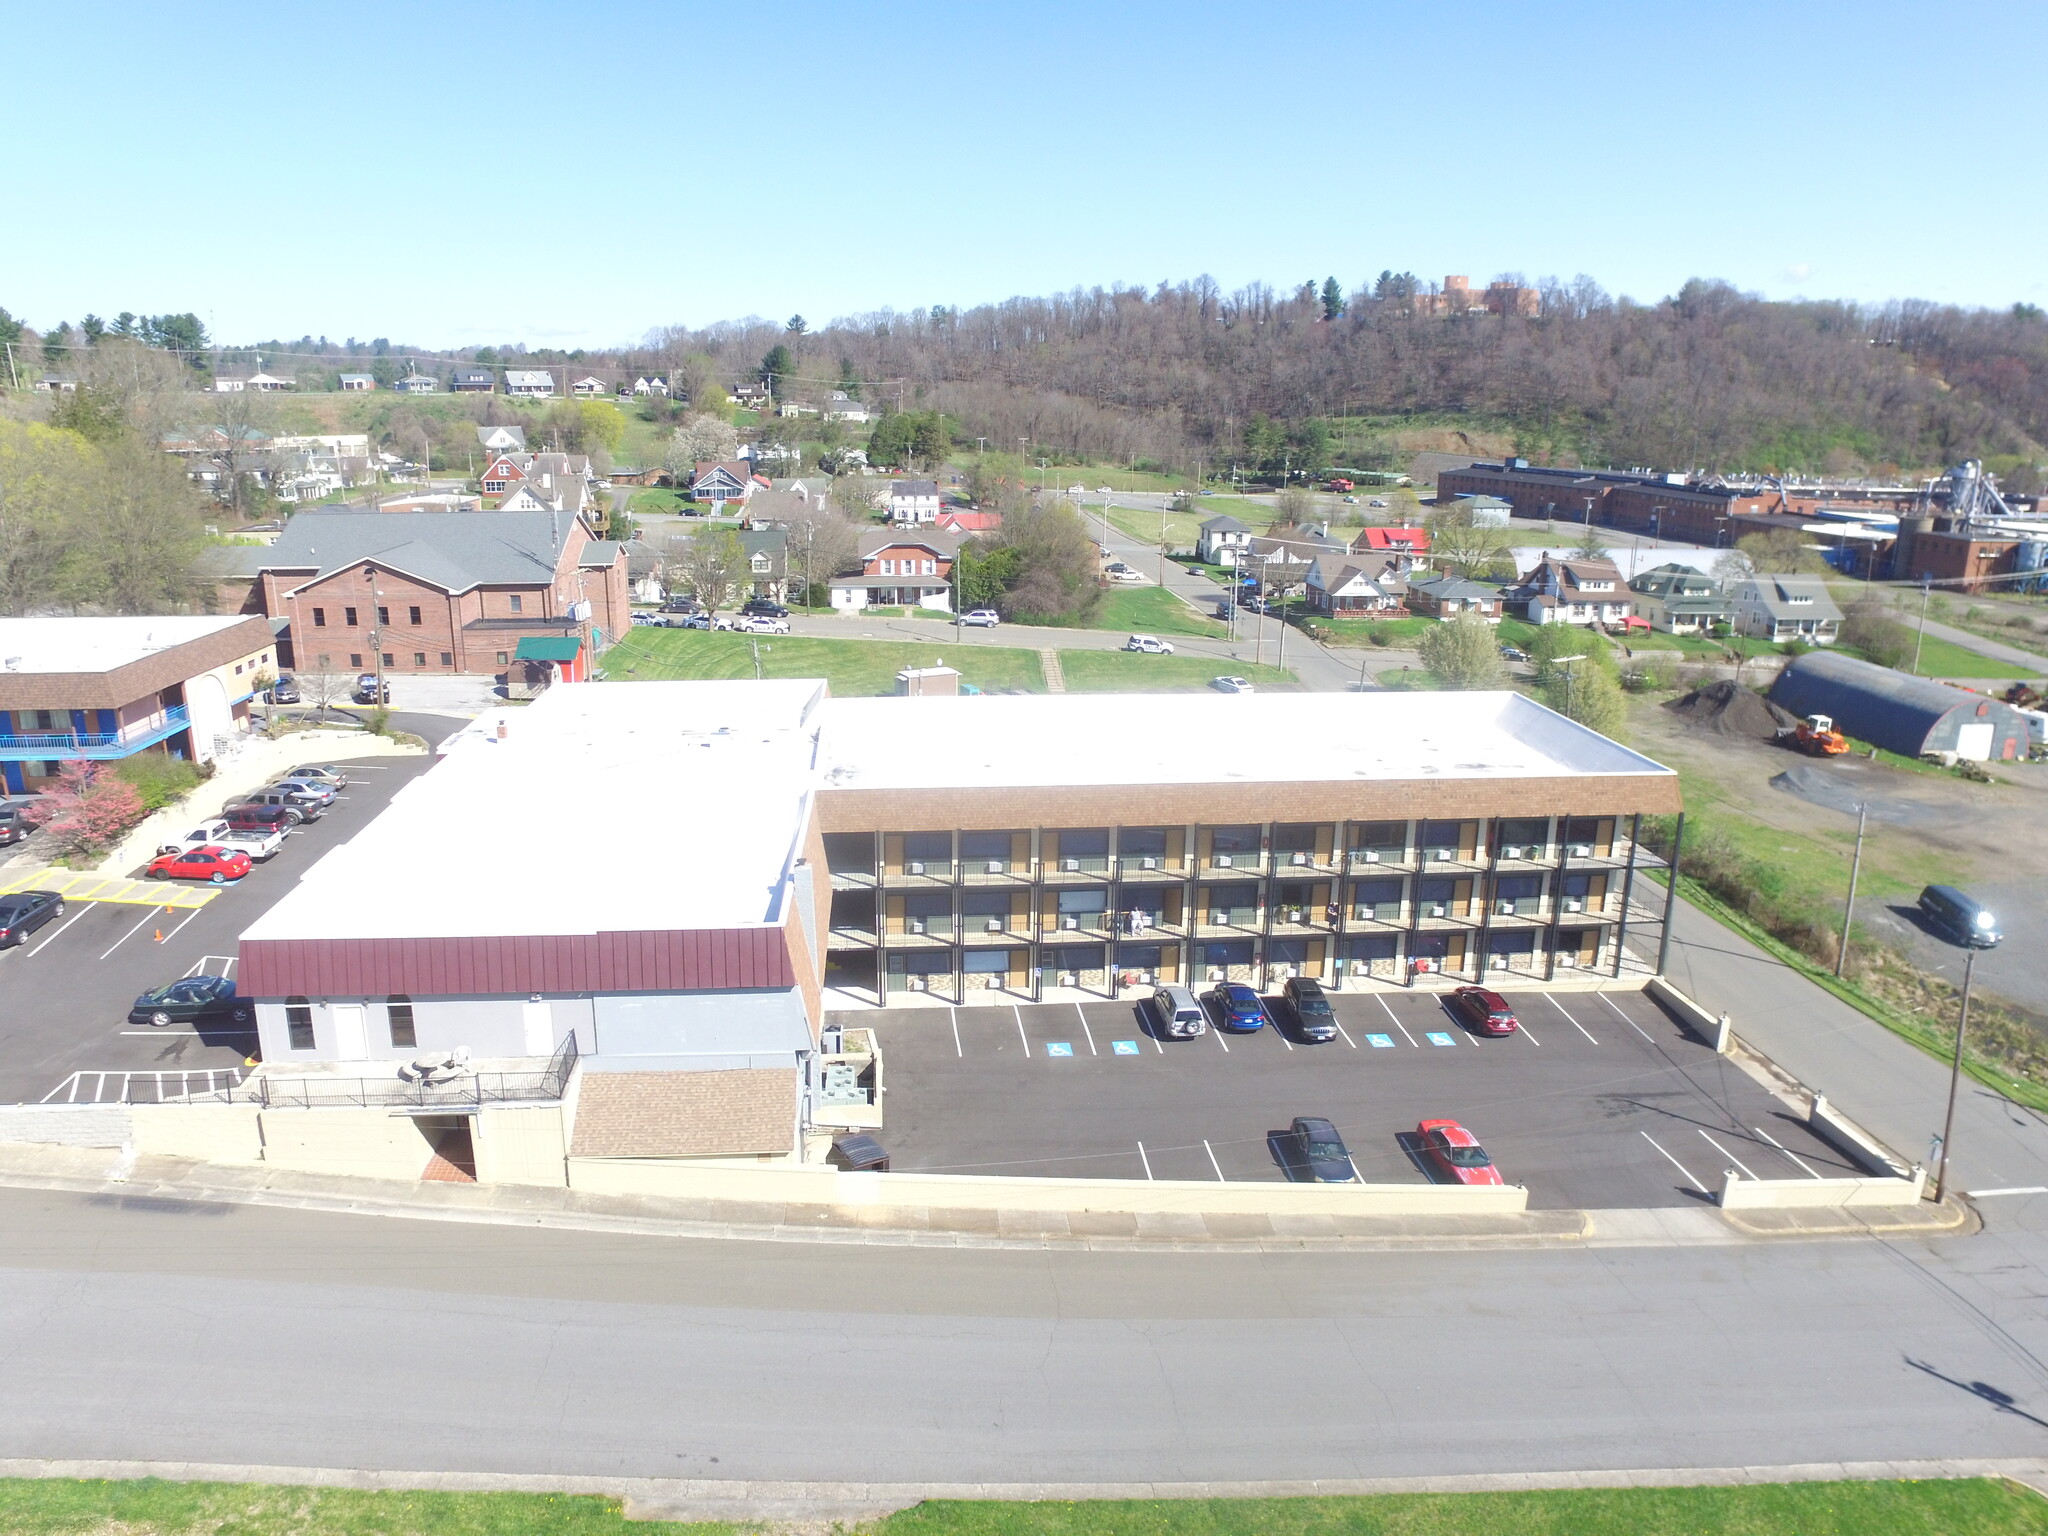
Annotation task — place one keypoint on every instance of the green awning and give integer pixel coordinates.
(549, 648)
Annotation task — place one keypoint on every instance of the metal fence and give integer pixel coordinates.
(468, 1091)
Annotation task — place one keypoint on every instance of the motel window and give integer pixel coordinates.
(504, 658)
(319, 618)
(388, 661)
(419, 658)
(383, 614)
(413, 616)
(298, 1023)
(518, 603)
(355, 659)
(348, 617)
(45, 721)
(399, 1009)
(447, 658)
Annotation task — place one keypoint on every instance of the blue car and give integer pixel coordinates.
(1239, 1008)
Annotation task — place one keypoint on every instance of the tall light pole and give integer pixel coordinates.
(1566, 663)
(1849, 911)
(1926, 587)
(1955, 1073)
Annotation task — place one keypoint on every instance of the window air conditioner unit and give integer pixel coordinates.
(1218, 919)
(1567, 957)
(1070, 922)
(1369, 855)
(1510, 851)
(1574, 904)
(1443, 855)
(1582, 850)
(914, 867)
(1149, 978)
(920, 983)
(993, 867)
(1067, 978)
(917, 925)
(1297, 858)
(1294, 914)
(1504, 908)
(1215, 973)
(995, 925)
(1223, 861)
(1071, 866)
(1437, 909)
(1148, 862)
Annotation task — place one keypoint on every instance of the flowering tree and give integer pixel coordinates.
(88, 808)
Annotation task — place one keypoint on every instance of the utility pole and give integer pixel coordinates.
(1926, 588)
(1955, 1073)
(1849, 912)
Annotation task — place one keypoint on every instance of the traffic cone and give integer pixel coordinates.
(159, 935)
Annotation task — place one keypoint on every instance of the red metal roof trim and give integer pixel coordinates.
(655, 960)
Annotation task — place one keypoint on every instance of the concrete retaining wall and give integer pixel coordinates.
(521, 1146)
(827, 1186)
(1853, 1142)
(1711, 1028)
(1740, 1194)
(206, 1133)
(67, 1125)
(368, 1143)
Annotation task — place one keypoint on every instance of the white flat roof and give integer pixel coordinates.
(604, 807)
(1105, 738)
(99, 645)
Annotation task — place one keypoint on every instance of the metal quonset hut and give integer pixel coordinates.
(1907, 715)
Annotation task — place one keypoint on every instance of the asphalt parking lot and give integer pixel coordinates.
(65, 994)
(1600, 1101)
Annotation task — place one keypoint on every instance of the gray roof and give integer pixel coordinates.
(599, 554)
(874, 540)
(1876, 704)
(773, 541)
(453, 550)
(1662, 580)
(913, 487)
(1775, 593)
(485, 434)
(1223, 522)
(1455, 588)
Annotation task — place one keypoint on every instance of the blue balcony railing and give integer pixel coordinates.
(57, 745)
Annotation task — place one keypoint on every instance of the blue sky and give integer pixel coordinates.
(451, 173)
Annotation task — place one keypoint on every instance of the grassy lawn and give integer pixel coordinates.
(853, 667)
(1979, 1506)
(1134, 672)
(1404, 634)
(1944, 658)
(654, 498)
(1137, 523)
(1148, 611)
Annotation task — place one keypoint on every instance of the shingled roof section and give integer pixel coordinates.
(738, 1113)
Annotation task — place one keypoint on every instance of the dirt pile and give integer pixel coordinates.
(1727, 709)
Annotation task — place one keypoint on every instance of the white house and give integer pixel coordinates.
(1223, 540)
(913, 502)
(357, 383)
(841, 407)
(418, 384)
(1344, 589)
(1781, 608)
(530, 383)
(589, 387)
(258, 382)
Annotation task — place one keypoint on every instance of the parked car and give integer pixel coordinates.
(189, 999)
(206, 832)
(1485, 1010)
(284, 691)
(1125, 574)
(1456, 1152)
(368, 691)
(761, 624)
(321, 773)
(981, 618)
(319, 793)
(647, 621)
(1960, 918)
(1239, 1008)
(1151, 645)
(763, 608)
(14, 825)
(23, 912)
(308, 807)
(1177, 1014)
(1322, 1150)
(1377, 501)
(1313, 1017)
(1230, 684)
(260, 843)
(691, 621)
(1350, 501)
(278, 818)
(682, 604)
(1513, 653)
(217, 864)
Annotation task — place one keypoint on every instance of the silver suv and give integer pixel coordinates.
(1178, 1015)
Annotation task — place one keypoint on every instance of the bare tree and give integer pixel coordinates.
(860, 495)
(712, 564)
(822, 543)
(1464, 549)
(321, 690)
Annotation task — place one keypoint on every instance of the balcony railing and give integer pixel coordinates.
(101, 745)
(312, 1091)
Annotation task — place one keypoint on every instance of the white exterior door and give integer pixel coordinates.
(351, 1040)
(539, 1020)
(1974, 740)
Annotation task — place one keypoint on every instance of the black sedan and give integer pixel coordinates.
(1322, 1150)
(22, 913)
(189, 1000)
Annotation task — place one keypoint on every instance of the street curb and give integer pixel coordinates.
(812, 1502)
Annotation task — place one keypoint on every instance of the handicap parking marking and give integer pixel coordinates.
(1438, 1037)
(1059, 1048)
(1380, 1042)
(1123, 1047)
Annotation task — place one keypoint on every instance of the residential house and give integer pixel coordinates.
(473, 381)
(811, 490)
(437, 592)
(418, 384)
(767, 551)
(259, 383)
(105, 689)
(1345, 590)
(1573, 590)
(645, 567)
(953, 520)
(501, 439)
(590, 387)
(1399, 550)
(432, 501)
(1222, 540)
(1283, 557)
(535, 482)
(530, 383)
(1446, 597)
(1781, 608)
(790, 409)
(653, 386)
(913, 502)
(357, 383)
(56, 384)
(842, 407)
(1679, 600)
(1485, 511)
(898, 569)
(725, 481)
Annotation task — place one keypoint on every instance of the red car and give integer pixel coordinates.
(1457, 1152)
(215, 863)
(1488, 1012)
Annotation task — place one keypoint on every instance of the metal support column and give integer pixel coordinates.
(1671, 894)
(1628, 885)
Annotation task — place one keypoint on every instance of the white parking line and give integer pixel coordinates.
(1019, 1012)
(1767, 1136)
(1632, 1024)
(83, 908)
(955, 1012)
(1212, 1161)
(1273, 1019)
(1145, 1160)
(1220, 1040)
(152, 915)
(1695, 1183)
(1727, 1154)
(1575, 1024)
(1397, 1022)
(1086, 1030)
(1522, 1029)
(1344, 1032)
(2022, 1189)
(188, 918)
